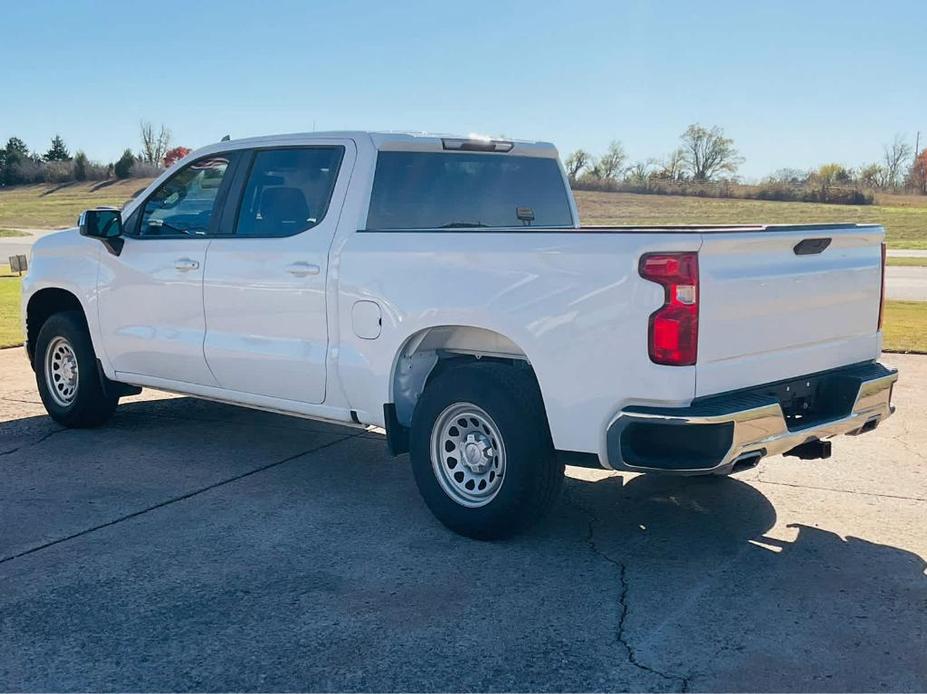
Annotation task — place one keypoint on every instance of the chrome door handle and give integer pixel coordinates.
(303, 269)
(186, 264)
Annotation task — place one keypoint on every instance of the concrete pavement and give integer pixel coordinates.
(196, 546)
(21, 245)
(906, 283)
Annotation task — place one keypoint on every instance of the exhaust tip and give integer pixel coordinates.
(747, 461)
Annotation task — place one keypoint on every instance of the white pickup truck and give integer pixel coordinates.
(442, 288)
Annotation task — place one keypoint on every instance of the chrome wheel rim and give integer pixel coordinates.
(468, 455)
(61, 372)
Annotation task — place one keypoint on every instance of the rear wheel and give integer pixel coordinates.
(66, 373)
(481, 451)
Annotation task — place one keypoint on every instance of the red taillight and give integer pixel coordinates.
(673, 336)
(882, 290)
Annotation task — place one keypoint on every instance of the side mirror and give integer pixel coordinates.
(104, 224)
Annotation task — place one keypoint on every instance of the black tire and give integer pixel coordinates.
(90, 405)
(532, 474)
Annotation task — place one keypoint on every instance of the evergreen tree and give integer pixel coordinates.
(80, 166)
(15, 152)
(58, 150)
(123, 167)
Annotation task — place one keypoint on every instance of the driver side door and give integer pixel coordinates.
(151, 294)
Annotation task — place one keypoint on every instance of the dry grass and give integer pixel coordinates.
(11, 332)
(48, 206)
(906, 326)
(905, 225)
(906, 262)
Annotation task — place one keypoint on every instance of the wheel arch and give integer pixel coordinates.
(42, 305)
(430, 351)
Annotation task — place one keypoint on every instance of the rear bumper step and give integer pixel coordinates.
(718, 433)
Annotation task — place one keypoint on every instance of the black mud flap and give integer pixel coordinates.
(397, 436)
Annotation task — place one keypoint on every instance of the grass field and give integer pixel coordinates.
(45, 206)
(906, 326)
(906, 262)
(7, 233)
(904, 218)
(10, 327)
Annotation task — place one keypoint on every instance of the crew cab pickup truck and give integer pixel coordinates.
(442, 288)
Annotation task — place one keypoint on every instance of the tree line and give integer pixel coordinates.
(706, 163)
(19, 164)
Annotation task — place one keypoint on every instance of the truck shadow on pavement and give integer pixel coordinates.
(301, 554)
(715, 598)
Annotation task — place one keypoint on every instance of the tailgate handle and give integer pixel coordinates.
(811, 246)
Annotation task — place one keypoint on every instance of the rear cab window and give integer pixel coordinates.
(446, 190)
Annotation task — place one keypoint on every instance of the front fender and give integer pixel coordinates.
(69, 262)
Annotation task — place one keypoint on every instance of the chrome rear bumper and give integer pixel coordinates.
(714, 434)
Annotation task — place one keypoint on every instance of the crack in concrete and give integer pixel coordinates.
(621, 631)
(173, 500)
(27, 402)
(41, 439)
(760, 480)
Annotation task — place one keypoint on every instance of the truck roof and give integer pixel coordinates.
(393, 141)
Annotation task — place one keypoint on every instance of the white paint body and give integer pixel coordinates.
(227, 319)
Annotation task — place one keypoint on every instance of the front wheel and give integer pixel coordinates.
(481, 451)
(66, 373)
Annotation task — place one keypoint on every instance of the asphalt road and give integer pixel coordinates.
(196, 546)
(20, 245)
(905, 283)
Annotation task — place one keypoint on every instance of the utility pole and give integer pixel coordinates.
(917, 143)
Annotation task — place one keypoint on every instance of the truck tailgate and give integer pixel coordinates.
(768, 313)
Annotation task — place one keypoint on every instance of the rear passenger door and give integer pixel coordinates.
(264, 281)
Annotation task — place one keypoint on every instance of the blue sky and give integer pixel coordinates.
(794, 83)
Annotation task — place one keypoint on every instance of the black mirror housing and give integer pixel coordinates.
(101, 223)
(104, 224)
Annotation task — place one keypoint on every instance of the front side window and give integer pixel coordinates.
(445, 190)
(184, 204)
(288, 190)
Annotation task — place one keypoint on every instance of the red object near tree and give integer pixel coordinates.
(919, 172)
(173, 155)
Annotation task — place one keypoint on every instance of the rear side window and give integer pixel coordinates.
(436, 190)
(288, 190)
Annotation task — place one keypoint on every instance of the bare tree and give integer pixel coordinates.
(672, 166)
(895, 157)
(611, 164)
(576, 162)
(871, 176)
(154, 146)
(707, 152)
(639, 172)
